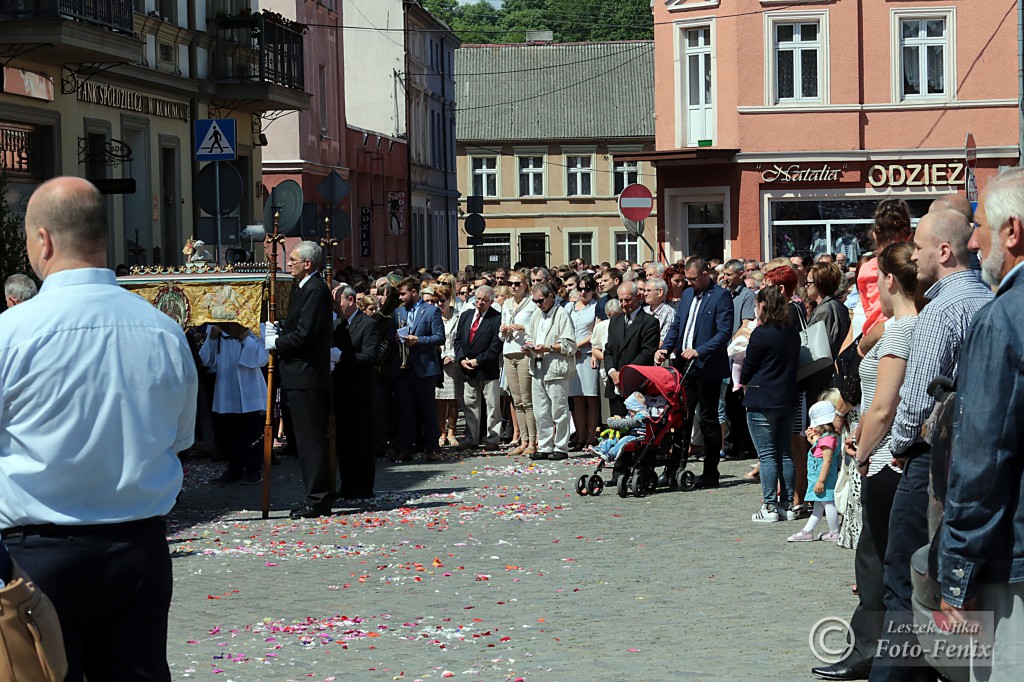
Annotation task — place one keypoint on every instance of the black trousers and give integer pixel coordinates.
(706, 395)
(111, 587)
(737, 438)
(416, 407)
(307, 409)
(908, 532)
(239, 438)
(876, 494)
(353, 413)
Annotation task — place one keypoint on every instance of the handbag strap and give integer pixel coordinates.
(799, 314)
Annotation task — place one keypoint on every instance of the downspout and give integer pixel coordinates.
(447, 156)
(410, 228)
(1020, 82)
(861, 114)
(193, 66)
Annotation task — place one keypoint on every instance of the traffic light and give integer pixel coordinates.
(475, 223)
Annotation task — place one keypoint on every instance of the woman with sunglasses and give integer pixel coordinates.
(583, 388)
(515, 317)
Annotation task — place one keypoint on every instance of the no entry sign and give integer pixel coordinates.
(636, 202)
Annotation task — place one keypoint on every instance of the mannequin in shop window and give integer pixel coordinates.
(850, 245)
(819, 243)
(784, 244)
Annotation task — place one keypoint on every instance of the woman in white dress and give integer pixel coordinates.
(447, 395)
(583, 389)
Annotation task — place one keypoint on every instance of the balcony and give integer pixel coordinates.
(259, 62)
(76, 31)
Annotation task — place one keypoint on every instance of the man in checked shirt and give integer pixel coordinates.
(955, 292)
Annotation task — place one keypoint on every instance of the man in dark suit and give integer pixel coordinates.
(478, 347)
(304, 350)
(632, 340)
(700, 334)
(356, 336)
(421, 331)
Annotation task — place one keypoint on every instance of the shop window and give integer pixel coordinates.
(531, 176)
(627, 247)
(814, 227)
(581, 245)
(705, 223)
(578, 176)
(626, 173)
(924, 54)
(485, 176)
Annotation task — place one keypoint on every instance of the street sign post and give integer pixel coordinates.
(971, 158)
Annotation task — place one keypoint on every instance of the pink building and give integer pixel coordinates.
(780, 123)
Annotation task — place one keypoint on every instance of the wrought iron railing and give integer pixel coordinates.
(115, 15)
(259, 49)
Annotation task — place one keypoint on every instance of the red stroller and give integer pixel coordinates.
(634, 467)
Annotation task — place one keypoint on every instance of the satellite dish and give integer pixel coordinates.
(286, 199)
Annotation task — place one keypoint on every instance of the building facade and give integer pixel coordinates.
(540, 128)
(433, 187)
(781, 124)
(109, 90)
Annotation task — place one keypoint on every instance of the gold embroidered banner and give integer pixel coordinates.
(193, 300)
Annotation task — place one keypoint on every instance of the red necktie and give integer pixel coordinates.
(472, 330)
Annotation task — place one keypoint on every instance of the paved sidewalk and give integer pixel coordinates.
(492, 568)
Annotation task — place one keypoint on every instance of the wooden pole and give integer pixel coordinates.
(328, 245)
(268, 423)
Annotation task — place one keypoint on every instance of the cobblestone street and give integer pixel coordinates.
(492, 568)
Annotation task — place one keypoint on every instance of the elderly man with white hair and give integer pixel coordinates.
(478, 347)
(18, 289)
(655, 290)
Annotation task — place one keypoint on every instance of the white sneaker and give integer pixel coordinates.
(765, 515)
(791, 514)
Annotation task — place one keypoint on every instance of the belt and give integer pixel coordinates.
(56, 530)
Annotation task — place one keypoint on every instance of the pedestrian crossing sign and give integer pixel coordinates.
(215, 139)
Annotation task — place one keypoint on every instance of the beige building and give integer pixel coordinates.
(537, 129)
(109, 90)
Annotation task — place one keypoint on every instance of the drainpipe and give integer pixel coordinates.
(445, 142)
(1020, 82)
(193, 62)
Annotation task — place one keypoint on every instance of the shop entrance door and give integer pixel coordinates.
(705, 230)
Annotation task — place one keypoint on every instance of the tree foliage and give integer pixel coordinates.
(569, 20)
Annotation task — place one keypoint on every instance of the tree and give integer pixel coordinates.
(13, 258)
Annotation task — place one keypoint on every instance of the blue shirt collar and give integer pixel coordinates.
(1011, 277)
(952, 280)
(354, 313)
(68, 278)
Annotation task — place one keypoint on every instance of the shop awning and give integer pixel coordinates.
(679, 157)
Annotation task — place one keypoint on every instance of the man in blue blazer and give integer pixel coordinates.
(417, 379)
(700, 334)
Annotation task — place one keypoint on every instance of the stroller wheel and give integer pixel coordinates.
(685, 480)
(595, 486)
(622, 486)
(581, 485)
(648, 481)
(636, 482)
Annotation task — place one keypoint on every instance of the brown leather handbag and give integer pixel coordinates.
(31, 644)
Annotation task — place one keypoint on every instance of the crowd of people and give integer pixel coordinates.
(818, 370)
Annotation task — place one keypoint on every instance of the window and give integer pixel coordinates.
(578, 182)
(627, 247)
(797, 62)
(581, 245)
(923, 57)
(699, 91)
(485, 176)
(531, 176)
(626, 173)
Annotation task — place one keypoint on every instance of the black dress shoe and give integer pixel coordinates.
(841, 671)
(558, 455)
(702, 483)
(306, 512)
(540, 455)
